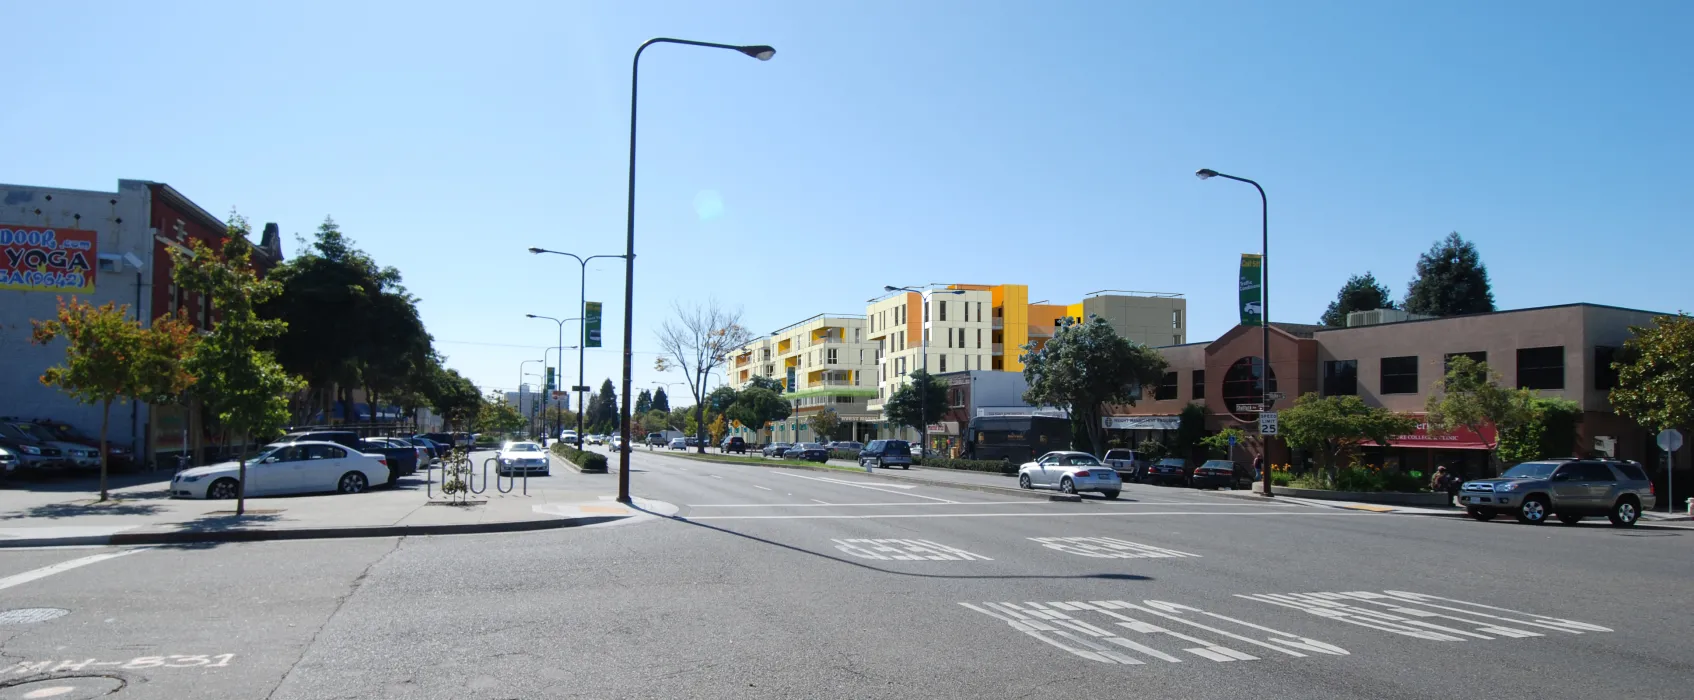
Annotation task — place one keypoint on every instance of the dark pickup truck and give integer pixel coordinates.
(402, 461)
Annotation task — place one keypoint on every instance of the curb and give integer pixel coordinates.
(307, 533)
(573, 466)
(1001, 490)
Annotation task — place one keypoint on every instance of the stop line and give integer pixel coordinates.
(1128, 633)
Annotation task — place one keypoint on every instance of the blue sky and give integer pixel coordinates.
(1051, 144)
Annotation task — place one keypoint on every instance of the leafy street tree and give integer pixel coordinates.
(698, 341)
(1471, 396)
(1190, 429)
(454, 398)
(720, 399)
(643, 402)
(755, 407)
(1655, 386)
(1549, 431)
(661, 402)
(1217, 444)
(908, 407)
(499, 417)
(825, 424)
(763, 382)
(1451, 280)
(1331, 425)
(655, 421)
(603, 409)
(1084, 368)
(109, 357)
(241, 384)
(1360, 293)
(718, 428)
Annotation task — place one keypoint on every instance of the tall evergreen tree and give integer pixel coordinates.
(661, 402)
(1360, 293)
(1451, 280)
(605, 412)
(644, 402)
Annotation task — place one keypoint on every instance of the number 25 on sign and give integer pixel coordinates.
(1267, 423)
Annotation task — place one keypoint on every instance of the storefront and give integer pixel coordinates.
(1462, 451)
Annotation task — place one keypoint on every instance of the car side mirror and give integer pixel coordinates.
(268, 460)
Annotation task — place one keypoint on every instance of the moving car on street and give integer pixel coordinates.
(1167, 471)
(847, 446)
(1570, 488)
(733, 444)
(523, 458)
(1070, 472)
(775, 449)
(887, 454)
(1213, 474)
(285, 468)
(808, 451)
(678, 444)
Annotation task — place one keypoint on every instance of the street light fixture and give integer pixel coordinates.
(1264, 299)
(582, 333)
(923, 394)
(561, 322)
(761, 52)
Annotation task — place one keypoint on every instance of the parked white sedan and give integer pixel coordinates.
(523, 458)
(1070, 472)
(278, 469)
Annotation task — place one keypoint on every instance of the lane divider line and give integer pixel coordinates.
(61, 567)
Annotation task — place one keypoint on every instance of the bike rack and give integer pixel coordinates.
(470, 478)
(511, 479)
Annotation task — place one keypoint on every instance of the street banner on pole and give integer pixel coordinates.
(591, 324)
(1252, 290)
(549, 379)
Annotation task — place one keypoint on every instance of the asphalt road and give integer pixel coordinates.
(796, 583)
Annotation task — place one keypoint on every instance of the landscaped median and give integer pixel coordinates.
(890, 474)
(580, 460)
(763, 462)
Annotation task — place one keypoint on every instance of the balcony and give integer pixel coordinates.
(998, 349)
(999, 323)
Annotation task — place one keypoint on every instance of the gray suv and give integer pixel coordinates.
(1568, 488)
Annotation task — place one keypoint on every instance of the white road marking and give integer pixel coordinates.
(25, 668)
(1058, 624)
(760, 487)
(1109, 548)
(1397, 612)
(996, 515)
(714, 476)
(865, 486)
(905, 550)
(821, 504)
(61, 567)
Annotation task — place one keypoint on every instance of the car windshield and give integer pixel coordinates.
(1169, 462)
(1082, 461)
(35, 431)
(258, 454)
(525, 447)
(1529, 470)
(66, 432)
(1218, 464)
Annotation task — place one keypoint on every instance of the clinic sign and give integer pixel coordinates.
(38, 259)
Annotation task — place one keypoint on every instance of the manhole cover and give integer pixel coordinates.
(63, 688)
(24, 616)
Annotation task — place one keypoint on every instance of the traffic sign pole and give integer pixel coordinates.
(1670, 440)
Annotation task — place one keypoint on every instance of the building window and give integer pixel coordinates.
(1605, 375)
(1176, 318)
(1340, 377)
(979, 311)
(943, 364)
(1167, 388)
(1480, 357)
(942, 306)
(829, 356)
(979, 338)
(1199, 388)
(1241, 386)
(1400, 375)
(949, 337)
(1541, 368)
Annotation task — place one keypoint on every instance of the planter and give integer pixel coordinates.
(1383, 497)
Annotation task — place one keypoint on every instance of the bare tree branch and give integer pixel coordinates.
(698, 341)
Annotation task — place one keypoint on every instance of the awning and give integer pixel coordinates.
(1141, 422)
(1021, 411)
(1458, 438)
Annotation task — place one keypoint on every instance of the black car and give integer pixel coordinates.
(1170, 470)
(808, 451)
(775, 449)
(887, 453)
(1214, 473)
(691, 441)
(734, 444)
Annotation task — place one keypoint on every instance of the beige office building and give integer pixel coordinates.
(825, 362)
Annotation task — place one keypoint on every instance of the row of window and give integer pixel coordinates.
(941, 366)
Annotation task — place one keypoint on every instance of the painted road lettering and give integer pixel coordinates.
(1420, 616)
(1109, 548)
(905, 550)
(27, 668)
(1059, 624)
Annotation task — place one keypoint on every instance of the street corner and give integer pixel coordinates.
(607, 511)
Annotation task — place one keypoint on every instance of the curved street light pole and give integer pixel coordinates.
(582, 335)
(521, 375)
(762, 53)
(561, 374)
(923, 391)
(1264, 300)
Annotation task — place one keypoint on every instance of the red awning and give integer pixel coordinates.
(1457, 439)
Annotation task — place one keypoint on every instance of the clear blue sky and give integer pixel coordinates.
(1051, 144)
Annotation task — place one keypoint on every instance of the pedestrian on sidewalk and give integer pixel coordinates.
(1258, 467)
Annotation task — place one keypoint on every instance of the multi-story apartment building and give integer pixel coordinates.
(970, 327)
(825, 362)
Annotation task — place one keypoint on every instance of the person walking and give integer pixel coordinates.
(1258, 468)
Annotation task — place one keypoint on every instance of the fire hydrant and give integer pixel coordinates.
(1690, 503)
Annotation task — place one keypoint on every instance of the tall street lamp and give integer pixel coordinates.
(521, 375)
(1264, 298)
(582, 337)
(923, 391)
(561, 322)
(763, 53)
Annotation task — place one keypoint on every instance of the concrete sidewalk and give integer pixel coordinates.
(67, 514)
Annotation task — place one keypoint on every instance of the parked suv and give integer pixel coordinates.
(887, 453)
(1568, 488)
(733, 444)
(1129, 464)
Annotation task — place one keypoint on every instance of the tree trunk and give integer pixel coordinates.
(241, 487)
(105, 421)
(700, 425)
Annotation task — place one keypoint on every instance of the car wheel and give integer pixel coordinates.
(907, 466)
(1569, 519)
(1110, 495)
(1023, 482)
(1481, 514)
(1625, 512)
(1067, 486)
(352, 482)
(223, 489)
(1533, 511)
(879, 464)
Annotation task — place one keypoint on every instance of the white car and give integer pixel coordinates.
(523, 458)
(8, 462)
(615, 443)
(278, 469)
(1070, 472)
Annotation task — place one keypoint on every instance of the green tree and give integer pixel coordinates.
(1549, 431)
(602, 414)
(1470, 396)
(918, 402)
(1330, 425)
(498, 417)
(1217, 444)
(109, 357)
(720, 399)
(1190, 428)
(718, 427)
(655, 421)
(755, 408)
(661, 402)
(1086, 367)
(643, 402)
(825, 424)
(1655, 386)
(1360, 293)
(455, 399)
(763, 382)
(242, 385)
(1451, 280)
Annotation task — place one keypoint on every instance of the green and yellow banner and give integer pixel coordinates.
(591, 324)
(1252, 290)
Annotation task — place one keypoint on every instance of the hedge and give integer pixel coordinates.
(849, 455)
(973, 465)
(588, 461)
